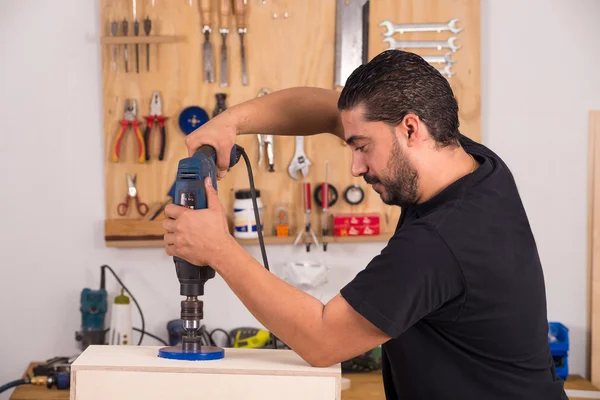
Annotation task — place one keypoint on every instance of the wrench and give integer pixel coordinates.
(446, 71)
(300, 162)
(445, 59)
(401, 28)
(422, 44)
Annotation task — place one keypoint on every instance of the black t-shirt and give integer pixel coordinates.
(460, 289)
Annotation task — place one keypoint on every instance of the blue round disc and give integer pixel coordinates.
(191, 118)
(205, 353)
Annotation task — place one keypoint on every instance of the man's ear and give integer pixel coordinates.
(410, 125)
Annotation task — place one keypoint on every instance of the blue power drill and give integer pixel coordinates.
(190, 192)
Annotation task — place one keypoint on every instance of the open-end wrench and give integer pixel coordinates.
(300, 162)
(441, 59)
(401, 28)
(422, 44)
(446, 71)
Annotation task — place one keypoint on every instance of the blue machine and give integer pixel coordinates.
(93, 307)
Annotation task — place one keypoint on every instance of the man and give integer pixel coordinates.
(457, 296)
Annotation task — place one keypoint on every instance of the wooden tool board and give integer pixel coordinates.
(288, 43)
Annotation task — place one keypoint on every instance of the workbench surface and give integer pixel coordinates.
(364, 386)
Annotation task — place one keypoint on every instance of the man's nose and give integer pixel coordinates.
(358, 167)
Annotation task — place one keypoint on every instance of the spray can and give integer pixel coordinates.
(120, 332)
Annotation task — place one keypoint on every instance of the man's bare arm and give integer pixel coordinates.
(296, 111)
(290, 112)
(321, 334)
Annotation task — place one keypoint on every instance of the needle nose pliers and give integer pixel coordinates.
(129, 119)
(155, 117)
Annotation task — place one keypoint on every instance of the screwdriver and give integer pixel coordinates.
(125, 29)
(114, 30)
(136, 32)
(147, 28)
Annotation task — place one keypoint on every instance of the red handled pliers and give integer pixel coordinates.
(129, 119)
(155, 117)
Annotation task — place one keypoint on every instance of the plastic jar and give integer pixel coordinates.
(244, 223)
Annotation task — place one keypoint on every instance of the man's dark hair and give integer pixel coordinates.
(396, 83)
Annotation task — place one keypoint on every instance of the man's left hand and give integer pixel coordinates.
(197, 236)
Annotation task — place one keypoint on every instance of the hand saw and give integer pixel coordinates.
(351, 38)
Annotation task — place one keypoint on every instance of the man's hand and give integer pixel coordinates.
(197, 236)
(219, 132)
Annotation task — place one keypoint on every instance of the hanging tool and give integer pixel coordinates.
(351, 37)
(191, 118)
(300, 162)
(392, 28)
(266, 140)
(114, 30)
(224, 11)
(220, 106)
(125, 31)
(136, 32)
(325, 205)
(123, 208)
(307, 231)
(240, 20)
(205, 11)
(155, 116)
(130, 118)
(147, 29)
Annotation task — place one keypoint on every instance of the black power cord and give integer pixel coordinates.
(143, 330)
(152, 336)
(258, 223)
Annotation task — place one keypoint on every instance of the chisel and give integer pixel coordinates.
(205, 12)
(136, 32)
(124, 28)
(240, 20)
(224, 12)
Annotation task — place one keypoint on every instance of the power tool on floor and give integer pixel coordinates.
(190, 192)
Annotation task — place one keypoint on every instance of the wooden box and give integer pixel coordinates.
(136, 372)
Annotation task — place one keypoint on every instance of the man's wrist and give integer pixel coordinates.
(225, 254)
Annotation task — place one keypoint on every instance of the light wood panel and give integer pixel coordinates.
(134, 372)
(594, 246)
(282, 52)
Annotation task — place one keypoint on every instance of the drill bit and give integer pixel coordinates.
(114, 30)
(125, 29)
(147, 29)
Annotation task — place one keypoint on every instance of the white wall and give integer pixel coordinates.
(538, 82)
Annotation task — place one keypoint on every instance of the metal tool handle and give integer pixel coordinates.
(205, 12)
(224, 13)
(239, 9)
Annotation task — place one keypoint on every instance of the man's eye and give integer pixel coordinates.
(361, 148)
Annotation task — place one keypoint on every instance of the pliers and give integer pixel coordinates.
(129, 119)
(155, 116)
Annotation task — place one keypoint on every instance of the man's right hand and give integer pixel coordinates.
(220, 133)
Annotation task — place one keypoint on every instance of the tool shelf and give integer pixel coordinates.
(136, 233)
(281, 52)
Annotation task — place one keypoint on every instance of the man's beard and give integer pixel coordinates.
(400, 185)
